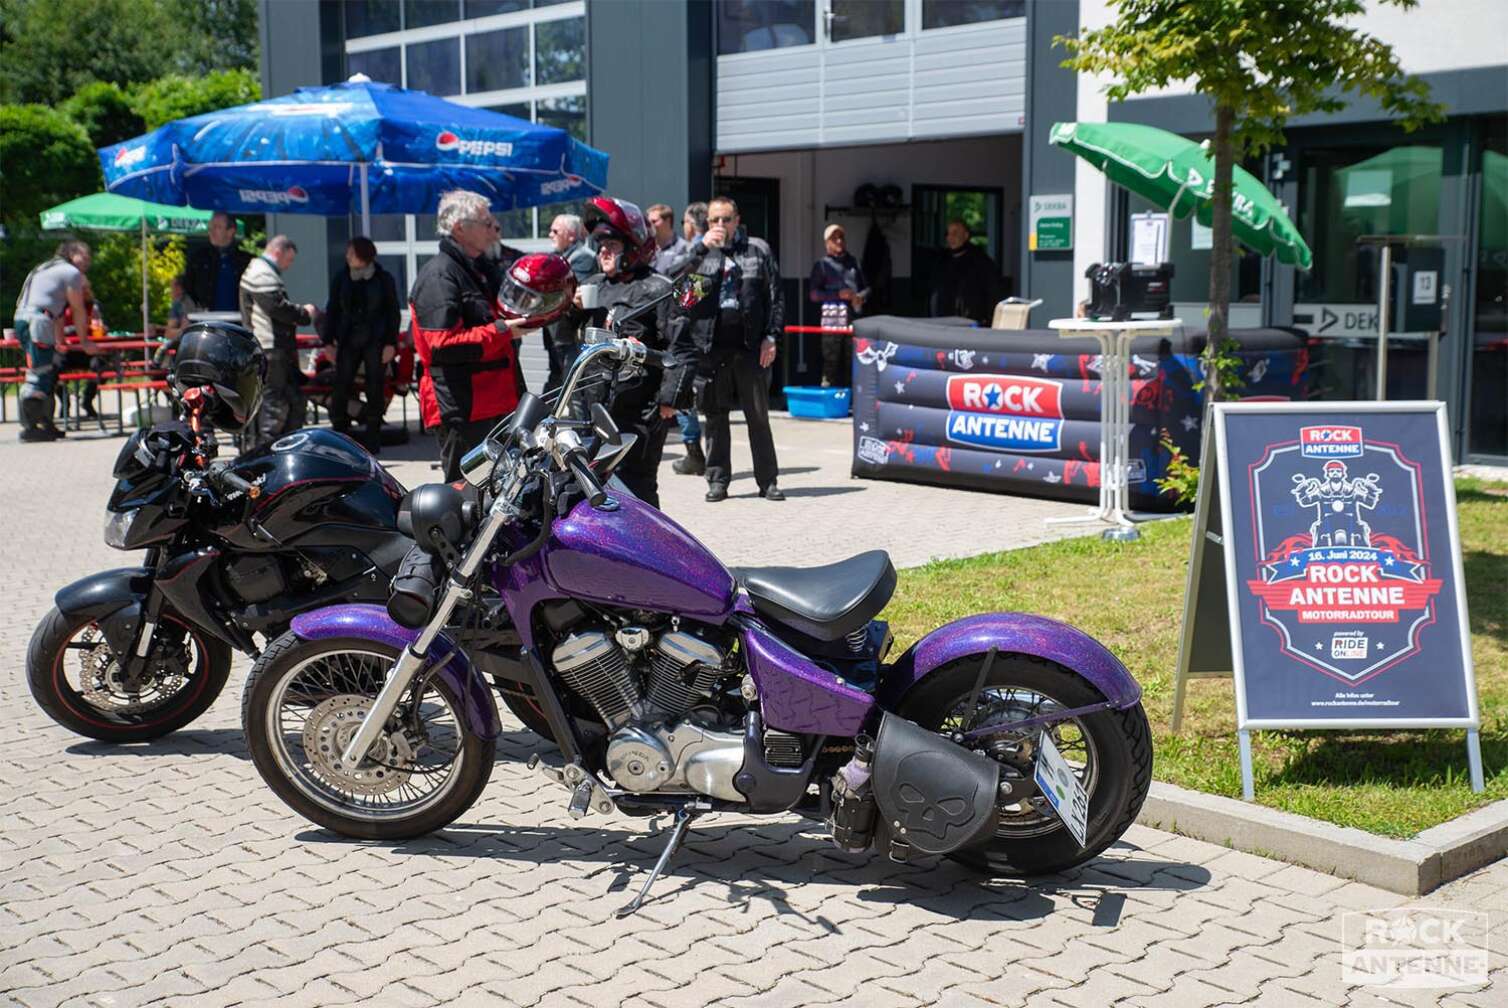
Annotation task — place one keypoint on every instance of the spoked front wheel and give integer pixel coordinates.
(1109, 752)
(304, 702)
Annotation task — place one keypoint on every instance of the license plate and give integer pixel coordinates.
(1056, 781)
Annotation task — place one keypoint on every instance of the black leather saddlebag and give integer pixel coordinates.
(941, 794)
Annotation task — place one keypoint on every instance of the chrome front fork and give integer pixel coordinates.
(414, 656)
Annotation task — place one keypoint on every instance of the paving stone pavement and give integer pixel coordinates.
(166, 874)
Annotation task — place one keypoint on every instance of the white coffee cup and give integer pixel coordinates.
(588, 295)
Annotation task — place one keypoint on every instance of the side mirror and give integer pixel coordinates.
(603, 425)
(691, 288)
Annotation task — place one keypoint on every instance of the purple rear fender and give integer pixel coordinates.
(1012, 633)
(372, 623)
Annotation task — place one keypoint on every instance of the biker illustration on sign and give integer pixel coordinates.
(1349, 590)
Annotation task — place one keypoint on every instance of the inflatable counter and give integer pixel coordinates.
(936, 401)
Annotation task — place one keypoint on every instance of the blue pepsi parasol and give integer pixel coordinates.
(358, 147)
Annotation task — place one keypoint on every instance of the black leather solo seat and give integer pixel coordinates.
(824, 602)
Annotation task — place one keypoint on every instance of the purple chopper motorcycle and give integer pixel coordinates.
(671, 684)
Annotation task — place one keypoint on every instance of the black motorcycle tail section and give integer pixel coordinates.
(934, 797)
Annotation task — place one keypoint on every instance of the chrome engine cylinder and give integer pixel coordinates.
(596, 667)
(683, 671)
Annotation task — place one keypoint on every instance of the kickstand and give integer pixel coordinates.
(683, 817)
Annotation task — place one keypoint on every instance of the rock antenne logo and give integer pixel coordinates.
(448, 141)
(1016, 413)
(274, 197)
(1349, 593)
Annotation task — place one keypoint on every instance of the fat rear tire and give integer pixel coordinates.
(288, 651)
(46, 675)
(1122, 741)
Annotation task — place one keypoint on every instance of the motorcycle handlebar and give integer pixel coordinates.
(222, 477)
(586, 479)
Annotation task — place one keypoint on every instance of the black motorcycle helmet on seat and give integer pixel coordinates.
(226, 359)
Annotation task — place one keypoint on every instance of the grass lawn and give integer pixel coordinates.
(1130, 597)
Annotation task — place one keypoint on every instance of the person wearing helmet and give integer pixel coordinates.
(467, 337)
(645, 405)
(228, 365)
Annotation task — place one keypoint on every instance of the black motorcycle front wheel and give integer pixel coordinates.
(1110, 752)
(80, 682)
(303, 703)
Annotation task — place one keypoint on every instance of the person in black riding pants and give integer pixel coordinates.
(361, 320)
(645, 405)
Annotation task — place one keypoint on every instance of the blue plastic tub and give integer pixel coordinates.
(813, 402)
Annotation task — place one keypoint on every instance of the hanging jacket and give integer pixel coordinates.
(470, 367)
(878, 268)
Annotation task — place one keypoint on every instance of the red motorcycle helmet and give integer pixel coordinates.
(537, 287)
(606, 217)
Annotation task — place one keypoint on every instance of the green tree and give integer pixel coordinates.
(177, 96)
(116, 276)
(52, 48)
(105, 112)
(46, 159)
(1260, 63)
(55, 47)
(214, 35)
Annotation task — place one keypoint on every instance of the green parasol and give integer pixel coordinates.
(109, 212)
(1179, 175)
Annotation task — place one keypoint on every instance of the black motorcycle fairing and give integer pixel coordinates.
(188, 584)
(941, 795)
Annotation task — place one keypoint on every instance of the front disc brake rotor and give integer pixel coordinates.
(106, 686)
(330, 728)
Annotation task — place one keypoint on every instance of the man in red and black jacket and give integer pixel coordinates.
(470, 353)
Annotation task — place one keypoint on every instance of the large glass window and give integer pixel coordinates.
(853, 19)
(560, 51)
(518, 110)
(1348, 192)
(752, 25)
(372, 17)
(379, 64)
(946, 13)
(485, 8)
(435, 66)
(1488, 433)
(497, 60)
(1189, 250)
(387, 227)
(567, 113)
(419, 13)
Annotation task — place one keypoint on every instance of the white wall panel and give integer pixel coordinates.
(961, 81)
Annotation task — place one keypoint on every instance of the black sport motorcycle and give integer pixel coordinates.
(234, 549)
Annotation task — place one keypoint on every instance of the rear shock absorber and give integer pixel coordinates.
(853, 814)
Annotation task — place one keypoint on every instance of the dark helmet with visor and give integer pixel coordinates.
(225, 360)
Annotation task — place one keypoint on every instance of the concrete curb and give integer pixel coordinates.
(1411, 867)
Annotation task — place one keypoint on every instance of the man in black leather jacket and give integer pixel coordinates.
(736, 329)
(646, 405)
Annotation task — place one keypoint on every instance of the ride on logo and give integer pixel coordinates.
(1349, 594)
(448, 141)
(274, 197)
(1015, 413)
(1415, 948)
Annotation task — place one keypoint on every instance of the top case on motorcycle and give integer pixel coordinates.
(826, 602)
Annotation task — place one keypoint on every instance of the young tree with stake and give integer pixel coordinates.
(1260, 62)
